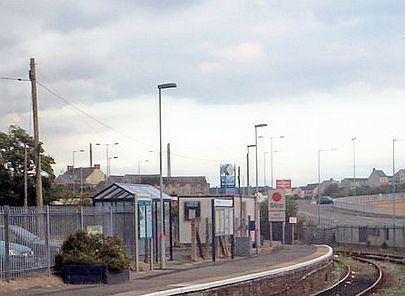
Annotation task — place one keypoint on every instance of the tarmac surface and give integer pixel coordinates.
(186, 274)
(333, 216)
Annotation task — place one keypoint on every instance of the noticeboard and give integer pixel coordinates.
(144, 219)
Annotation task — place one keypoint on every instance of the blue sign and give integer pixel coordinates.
(228, 179)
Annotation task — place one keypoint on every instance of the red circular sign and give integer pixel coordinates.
(276, 196)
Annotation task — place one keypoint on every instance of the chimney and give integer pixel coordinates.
(373, 169)
(69, 167)
(97, 166)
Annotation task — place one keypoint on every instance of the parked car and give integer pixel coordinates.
(18, 254)
(325, 200)
(19, 235)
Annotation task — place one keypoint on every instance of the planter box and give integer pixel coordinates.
(91, 274)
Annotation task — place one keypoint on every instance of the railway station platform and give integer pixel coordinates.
(192, 278)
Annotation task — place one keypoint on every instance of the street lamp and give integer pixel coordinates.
(257, 161)
(394, 197)
(139, 165)
(319, 181)
(257, 216)
(73, 172)
(109, 163)
(107, 156)
(247, 168)
(354, 164)
(162, 234)
(271, 158)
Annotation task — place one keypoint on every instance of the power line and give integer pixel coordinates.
(113, 129)
(14, 78)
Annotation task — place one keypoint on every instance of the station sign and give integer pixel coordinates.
(276, 206)
(283, 184)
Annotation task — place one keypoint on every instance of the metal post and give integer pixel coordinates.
(151, 253)
(213, 244)
(7, 266)
(257, 161)
(292, 233)
(319, 187)
(47, 238)
(81, 218)
(283, 232)
(171, 229)
(233, 232)
(162, 234)
(271, 159)
(111, 222)
(393, 183)
(136, 242)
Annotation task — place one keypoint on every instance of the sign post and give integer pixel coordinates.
(293, 221)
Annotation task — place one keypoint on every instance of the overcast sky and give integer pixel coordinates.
(318, 72)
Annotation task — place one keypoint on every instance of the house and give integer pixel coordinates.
(299, 191)
(310, 189)
(399, 177)
(75, 178)
(378, 179)
(188, 185)
(352, 183)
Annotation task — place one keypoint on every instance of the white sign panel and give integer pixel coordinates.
(276, 206)
(223, 203)
(293, 220)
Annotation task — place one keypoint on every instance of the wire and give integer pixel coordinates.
(15, 78)
(113, 129)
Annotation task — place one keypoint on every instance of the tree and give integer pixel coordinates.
(12, 168)
(334, 190)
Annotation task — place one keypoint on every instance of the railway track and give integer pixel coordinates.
(362, 276)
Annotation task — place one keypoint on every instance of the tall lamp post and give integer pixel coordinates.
(354, 164)
(162, 234)
(257, 215)
(394, 197)
(271, 158)
(139, 165)
(248, 169)
(107, 157)
(319, 181)
(73, 162)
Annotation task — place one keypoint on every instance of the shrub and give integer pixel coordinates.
(82, 248)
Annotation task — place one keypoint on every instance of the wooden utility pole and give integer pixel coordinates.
(37, 145)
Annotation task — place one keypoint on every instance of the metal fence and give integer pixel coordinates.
(30, 237)
(378, 235)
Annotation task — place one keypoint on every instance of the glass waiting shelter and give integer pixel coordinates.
(119, 199)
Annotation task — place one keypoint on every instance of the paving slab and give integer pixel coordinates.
(182, 275)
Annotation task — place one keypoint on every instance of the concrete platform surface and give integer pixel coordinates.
(185, 275)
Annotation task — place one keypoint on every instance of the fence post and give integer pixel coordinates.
(81, 218)
(6, 243)
(48, 249)
(213, 246)
(136, 247)
(111, 222)
(171, 229)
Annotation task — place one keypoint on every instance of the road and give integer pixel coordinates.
(332, 216)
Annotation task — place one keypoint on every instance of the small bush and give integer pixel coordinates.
(82, 248)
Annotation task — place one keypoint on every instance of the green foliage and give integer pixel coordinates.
(88, 249)
(12, 168)
(291, 207)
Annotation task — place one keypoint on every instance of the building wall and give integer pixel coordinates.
(95, 177)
